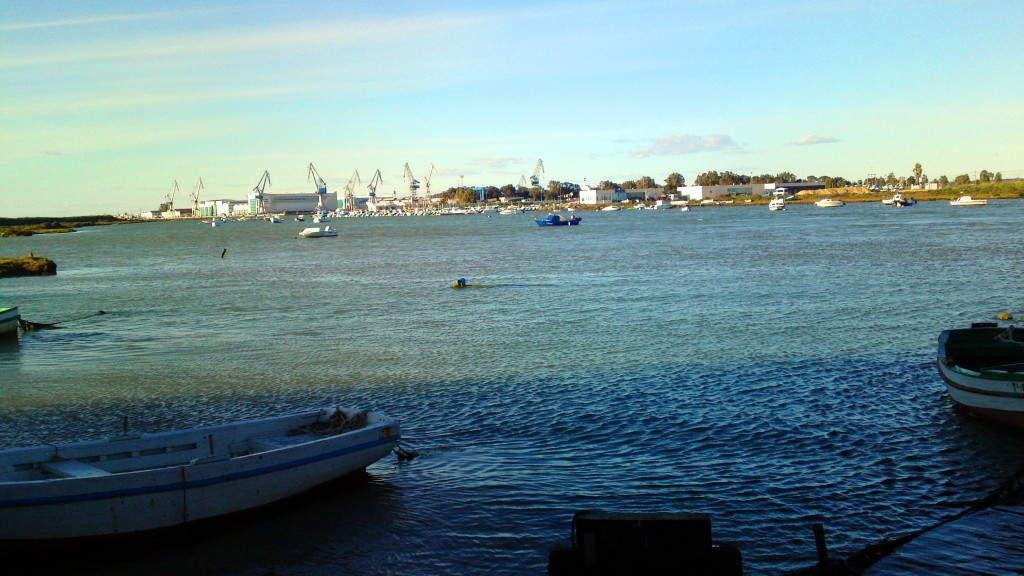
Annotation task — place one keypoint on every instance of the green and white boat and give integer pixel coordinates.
(9, 322)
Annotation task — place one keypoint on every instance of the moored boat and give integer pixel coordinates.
(9, 318)
(968, 201)
(138, 482)
(983, 369)
(777, 204)
(556, 220)
(829, 203)
(612, 208)
(317, 232)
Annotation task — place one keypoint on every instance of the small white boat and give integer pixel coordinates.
(9, 318)
(685, 209)
(829, 203)
(611, 208)
(137, 482)
(274, 220)
(325, 232)
(968, 201)
(777, 204)
(509, 211)
(300, 218)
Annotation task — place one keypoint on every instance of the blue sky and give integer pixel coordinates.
(104, 104)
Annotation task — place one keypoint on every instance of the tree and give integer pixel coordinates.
(646, 182)
(508, 190)
(943, 181)
(607, 185)
(962, 180)
(628, 185)
(554, 190)
(673, 181)
(891, 180)
(998, 177)
(985, 177)
(917, 171)
(709, 178)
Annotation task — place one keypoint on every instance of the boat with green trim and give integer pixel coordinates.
(9, 318)
(983, 369)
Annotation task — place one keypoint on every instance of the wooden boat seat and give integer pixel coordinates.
(72, 469)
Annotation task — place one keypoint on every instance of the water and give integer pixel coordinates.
(770, 369)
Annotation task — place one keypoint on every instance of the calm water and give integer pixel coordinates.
(771, 369)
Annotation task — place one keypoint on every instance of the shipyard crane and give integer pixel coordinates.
(321, 188)
(537, 171)
(170, 196)
(414, 184)
(258, 190)
(195, 197)
(350, 198)
(426, 180)
(374, 182)
(522, 183)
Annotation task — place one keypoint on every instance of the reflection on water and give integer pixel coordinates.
(773, 370)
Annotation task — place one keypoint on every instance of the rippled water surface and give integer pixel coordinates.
(771, 369)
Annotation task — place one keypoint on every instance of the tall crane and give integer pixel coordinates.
(321, 188)
(426, 180)
(537, 171)
(522, 183)
(263, 183)
(350, 198)
(374, 182)
(414, 184)
(170, 196)
(195, 197)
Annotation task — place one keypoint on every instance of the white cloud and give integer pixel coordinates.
(687, 144)
(809, 139)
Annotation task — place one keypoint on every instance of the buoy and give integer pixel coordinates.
(1004, 316)
(459, 283)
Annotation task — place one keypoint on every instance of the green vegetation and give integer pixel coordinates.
(27, 266)
(11, 227)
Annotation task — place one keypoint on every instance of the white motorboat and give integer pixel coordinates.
(611, 208)
(968, 201)
(509, 211)
(9, 318)
(137, 482)
(317, 232)
(898, 200)
(274, 220)
(685, 209)
(777, 204)
(829, 203)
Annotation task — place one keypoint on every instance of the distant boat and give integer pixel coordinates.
(556, 220)
(983, 368)
(273, 219)
(300, 218)
(9, 318)
(898, 200)
(611, 208)
(137, 482)
(509, 211)
(967, 201)
(829, 203)
(777, 204)
(317, 232)
(685, 209)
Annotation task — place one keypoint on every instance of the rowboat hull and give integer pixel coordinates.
(9, 322)
(984, 373)
(84, 490)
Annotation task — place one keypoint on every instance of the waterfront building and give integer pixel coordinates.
(293, 203)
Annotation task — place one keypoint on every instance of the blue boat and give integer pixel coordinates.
(556, 220)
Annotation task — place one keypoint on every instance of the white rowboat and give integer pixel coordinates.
(138, 482)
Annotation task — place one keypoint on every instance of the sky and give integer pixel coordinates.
(104, 105)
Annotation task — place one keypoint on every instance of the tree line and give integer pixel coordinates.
(555, 190)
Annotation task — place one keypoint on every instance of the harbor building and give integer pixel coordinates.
(293, 203)
(711, 192)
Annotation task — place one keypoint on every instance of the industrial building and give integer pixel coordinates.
(711, 192)
(291, 203)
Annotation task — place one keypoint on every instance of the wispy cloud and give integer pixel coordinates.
(84, 21)
(809, 139)
(141, 100)
(496, 163)
(687, 144)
